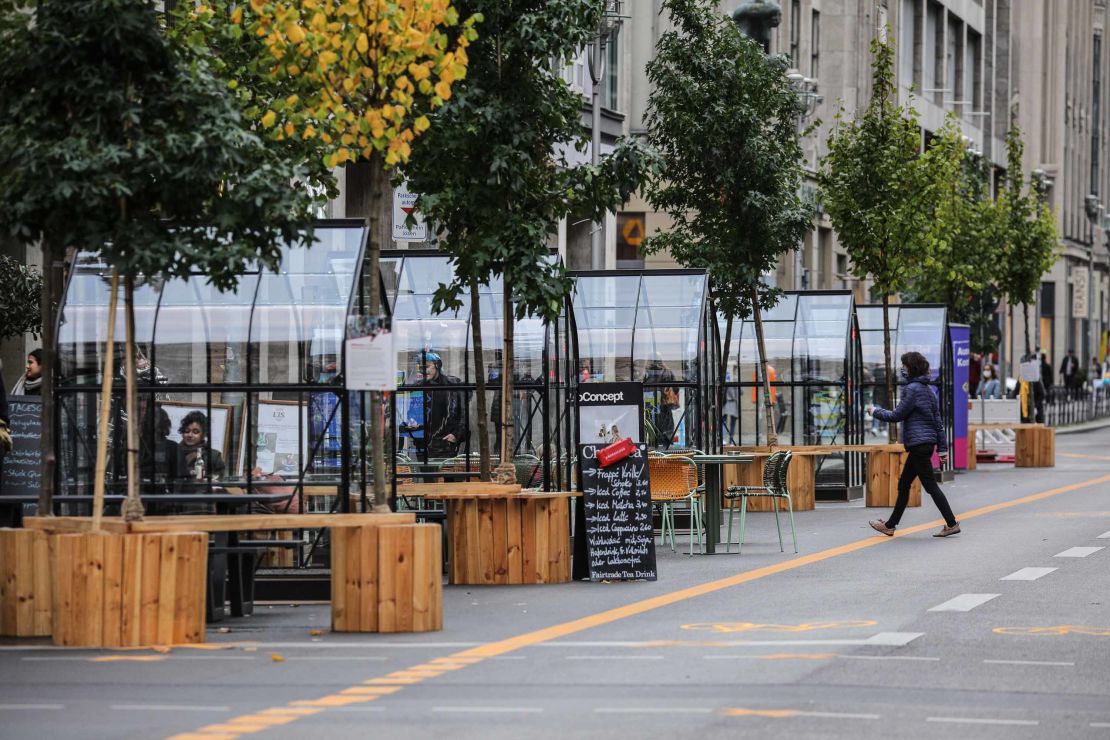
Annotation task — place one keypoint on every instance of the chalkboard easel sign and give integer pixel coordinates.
(20, 473)
(616, 507)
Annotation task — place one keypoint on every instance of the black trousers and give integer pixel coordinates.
(919, 465)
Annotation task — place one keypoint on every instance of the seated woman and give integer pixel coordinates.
(990, 387)
(197, 461)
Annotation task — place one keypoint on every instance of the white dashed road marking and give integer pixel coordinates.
(964, 603)
(490, 710)
(1104, 536)
(1027, 574)
(653, 710)
(837, 715)
(1078, 552)
(614, 657)
(1030, 662)
(979, 721)
(167, 708)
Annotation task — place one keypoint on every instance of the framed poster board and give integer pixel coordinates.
(219, 426)
(608, 412)
(19, 473)
(616, 517)
(280, 438)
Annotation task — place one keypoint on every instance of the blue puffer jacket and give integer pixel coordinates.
(920, 412)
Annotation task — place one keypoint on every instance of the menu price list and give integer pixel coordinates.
(620, 537)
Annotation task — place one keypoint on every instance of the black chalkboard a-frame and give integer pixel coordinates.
(615, 522)
(19, 470)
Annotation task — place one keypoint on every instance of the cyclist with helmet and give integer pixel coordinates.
(444, 418)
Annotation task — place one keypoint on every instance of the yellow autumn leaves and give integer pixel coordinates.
(364, 68)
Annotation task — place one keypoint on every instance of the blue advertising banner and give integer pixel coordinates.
(960, 337)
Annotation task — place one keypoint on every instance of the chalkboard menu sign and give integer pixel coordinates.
(21, 472)
(616, 503)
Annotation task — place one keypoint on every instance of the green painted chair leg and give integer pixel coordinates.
(790, 507)
(777, 526)
(728, 537)
(743, 524)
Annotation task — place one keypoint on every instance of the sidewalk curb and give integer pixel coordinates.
(1086, 427)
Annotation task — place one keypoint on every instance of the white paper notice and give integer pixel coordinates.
(371, 363)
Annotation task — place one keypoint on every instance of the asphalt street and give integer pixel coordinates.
(1000, 632)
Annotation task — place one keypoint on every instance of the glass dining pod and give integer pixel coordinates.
(257, 369)
(434, 416)
(915, 327)
(814, 365)
(652, 327)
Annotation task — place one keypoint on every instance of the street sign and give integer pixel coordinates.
(1079, 293)
(404, 205)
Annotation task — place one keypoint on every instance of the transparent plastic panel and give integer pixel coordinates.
(821, 336)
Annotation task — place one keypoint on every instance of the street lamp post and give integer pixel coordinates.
(1091, 207)
(610, 23)
(806, 90)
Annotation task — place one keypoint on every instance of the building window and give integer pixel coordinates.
(814, 43)
(795, 32)
(934, 46)
(612, 73)
(974, 76)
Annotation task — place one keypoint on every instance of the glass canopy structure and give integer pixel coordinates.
(443, 396)
(257, 368)
(653, 327)
(915, 327)
(814, 364)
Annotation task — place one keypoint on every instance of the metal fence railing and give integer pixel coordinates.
(1066, 406)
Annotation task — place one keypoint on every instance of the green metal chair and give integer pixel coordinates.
(775, 473)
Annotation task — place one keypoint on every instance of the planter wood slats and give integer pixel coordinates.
(509, 539)
(129, 590)
(25, 592)
(884, 467)
(1035, 448)
(387, 578)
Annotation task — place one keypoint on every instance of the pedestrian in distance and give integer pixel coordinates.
(990, 387)
(1069, 372)
(922, 432)
(30, 382)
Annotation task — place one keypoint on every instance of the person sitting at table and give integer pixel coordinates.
(196, 461)
(158, 460)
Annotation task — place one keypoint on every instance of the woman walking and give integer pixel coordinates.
(922, 431)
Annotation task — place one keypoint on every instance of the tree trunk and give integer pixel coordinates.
(769, 408)
(722, 391)
(51, 292)
(367, 196)
(480, 382)
(105, 406)
(892, 429)
(1028, 345)
(132, 508)
(506, 472)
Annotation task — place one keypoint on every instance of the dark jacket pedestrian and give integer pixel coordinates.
(5, 434)
(922, 432)
(30, 383)
(444, 422)
(1069, 370)
(1046, 373)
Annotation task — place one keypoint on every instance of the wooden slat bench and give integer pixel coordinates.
(1035, 446)
(385, 573)
(884, 464)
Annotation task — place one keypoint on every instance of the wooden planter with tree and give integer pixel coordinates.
(25, 592)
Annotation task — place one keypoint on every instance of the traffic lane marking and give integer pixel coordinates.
(501, 647)
(489, 710)
(167, 708)
(964, 602)
(729, 627)
(1078, 552)
(1031, 662)
(20, 707)
(1028, 574)
(1062, 629)
(984, 721)
(1104, 536)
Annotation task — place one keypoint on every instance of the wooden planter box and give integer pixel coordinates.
(1035, 447)
(884, 467)
(387, 578)
(508, 538)
(129, 590)
(25, 592)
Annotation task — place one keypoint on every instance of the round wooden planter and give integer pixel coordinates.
(129, 590)
(25, 592)
(387, 578)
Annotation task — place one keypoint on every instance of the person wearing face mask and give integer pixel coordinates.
(990, 386)
(922, 432)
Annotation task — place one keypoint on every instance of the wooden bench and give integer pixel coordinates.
(142, 583)
(500, 535)
(884, 465)
(1035, 446)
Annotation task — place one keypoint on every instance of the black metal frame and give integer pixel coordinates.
(833, 484)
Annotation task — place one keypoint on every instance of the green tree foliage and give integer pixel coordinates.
(490, 169)
(117, 138)
(873, 184)
(1027, 237)
(723, 116)
(20, 299)
(959, 264)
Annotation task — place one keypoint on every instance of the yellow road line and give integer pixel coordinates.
(471, 656)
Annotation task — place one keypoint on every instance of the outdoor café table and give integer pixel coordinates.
(712, 465)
